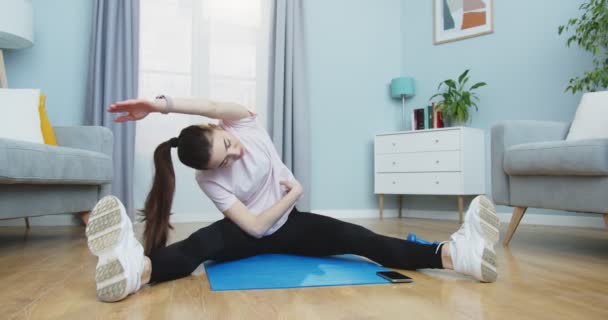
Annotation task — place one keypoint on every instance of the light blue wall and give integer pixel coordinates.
(356, 47)
(354, 51)
(525, 63)
(58, 62)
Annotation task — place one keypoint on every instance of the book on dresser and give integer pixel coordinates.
(418, 119)
(437, 118)
(426, 118)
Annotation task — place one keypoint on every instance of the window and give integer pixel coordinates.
(216, 49)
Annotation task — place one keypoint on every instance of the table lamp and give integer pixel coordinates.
(403, 87)
(16, 29)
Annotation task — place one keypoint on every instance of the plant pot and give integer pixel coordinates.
(457, 123)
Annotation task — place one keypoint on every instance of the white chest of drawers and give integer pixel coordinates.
(447, 161)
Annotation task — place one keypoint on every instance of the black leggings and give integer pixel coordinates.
(304, 233)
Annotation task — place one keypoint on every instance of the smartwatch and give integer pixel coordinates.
(168, 103)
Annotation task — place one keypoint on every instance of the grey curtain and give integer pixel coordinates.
(113, 76)
(289, 109)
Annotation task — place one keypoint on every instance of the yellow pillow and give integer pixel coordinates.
(48, 135)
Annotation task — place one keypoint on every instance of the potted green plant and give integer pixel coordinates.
(456, 99)
(591, 34)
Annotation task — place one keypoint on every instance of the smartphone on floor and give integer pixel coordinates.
(394, 277)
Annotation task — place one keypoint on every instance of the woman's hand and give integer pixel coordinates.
(293, 186)
(133, 110)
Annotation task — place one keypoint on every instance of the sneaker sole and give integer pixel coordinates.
(488, 266)
(488, 220)
(104, 233)
(489, 223)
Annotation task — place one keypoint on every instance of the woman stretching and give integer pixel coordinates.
(238, 168)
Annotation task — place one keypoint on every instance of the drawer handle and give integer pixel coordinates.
(436, 182)
(394, 162)
(393, 182)
(436, 140)
(437, 162)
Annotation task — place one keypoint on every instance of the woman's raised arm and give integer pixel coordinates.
(137, 109)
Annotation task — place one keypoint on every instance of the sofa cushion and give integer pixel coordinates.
(32, 163)
(558, 158)
(20, 117)
(590, 118)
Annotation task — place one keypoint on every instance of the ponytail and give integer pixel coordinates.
(157, 207)
(194, 150)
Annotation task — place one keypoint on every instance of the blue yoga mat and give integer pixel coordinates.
(274, 271)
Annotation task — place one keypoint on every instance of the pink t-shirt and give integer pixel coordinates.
(253, 179)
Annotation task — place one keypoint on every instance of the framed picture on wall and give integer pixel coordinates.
(461, 19)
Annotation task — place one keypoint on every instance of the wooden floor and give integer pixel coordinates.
(548, 273)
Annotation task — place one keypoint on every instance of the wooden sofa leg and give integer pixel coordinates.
(27, 223)
(518, 213)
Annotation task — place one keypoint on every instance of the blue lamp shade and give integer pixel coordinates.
(402, 86)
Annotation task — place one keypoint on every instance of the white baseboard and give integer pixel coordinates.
(195, 217)
(586, 221)
(43, 221)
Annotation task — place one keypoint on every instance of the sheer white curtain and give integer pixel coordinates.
(217, 49)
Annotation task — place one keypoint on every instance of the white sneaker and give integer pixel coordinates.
(121, 257)
(482, 216)
(472, 246)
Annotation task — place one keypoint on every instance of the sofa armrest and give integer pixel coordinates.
(509, 133)
(93, 138)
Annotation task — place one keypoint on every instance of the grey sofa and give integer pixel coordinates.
(534, 166)
(37, 179)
